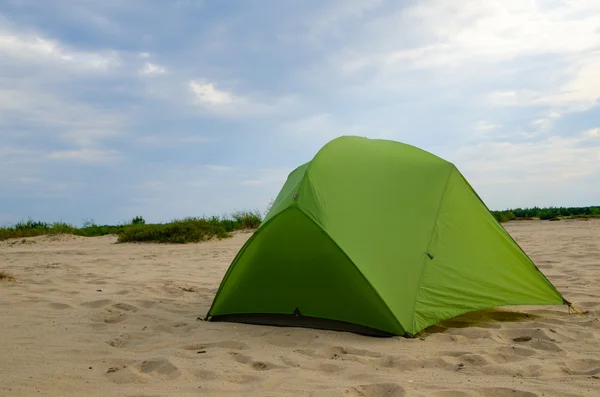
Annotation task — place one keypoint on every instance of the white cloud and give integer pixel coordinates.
(462, 31)
(580, 93)
(46, 114)
(152, 69)
(592, 134)
(510, 98)
(547, 122)
(221, 102)
(75, 123)
(468, 40)
(542, 124)
(36, 48)
(207, 94)
(550, 160)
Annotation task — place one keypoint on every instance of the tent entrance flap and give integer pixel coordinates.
(292, 265)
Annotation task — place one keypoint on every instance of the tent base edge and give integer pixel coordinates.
(302, 321)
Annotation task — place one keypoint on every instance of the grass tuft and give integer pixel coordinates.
(4, 275)
(188, 230)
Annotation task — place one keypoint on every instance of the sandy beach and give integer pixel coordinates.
(90, 317)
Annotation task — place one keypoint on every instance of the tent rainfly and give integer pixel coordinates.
(376, 237)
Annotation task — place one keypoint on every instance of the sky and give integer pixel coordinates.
(166, 109)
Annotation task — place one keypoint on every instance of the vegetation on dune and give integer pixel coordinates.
(550, 213)
(35, 228)
(137, 230)
(190, 230)
(204, 228)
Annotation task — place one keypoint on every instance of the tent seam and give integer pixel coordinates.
(308, 181)
(428, 258)
(322, 229)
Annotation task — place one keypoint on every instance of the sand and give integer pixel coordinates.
(88, 317)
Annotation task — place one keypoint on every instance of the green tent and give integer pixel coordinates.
(377, 237)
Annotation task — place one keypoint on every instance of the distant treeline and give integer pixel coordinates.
(549, 213)
(137, 230)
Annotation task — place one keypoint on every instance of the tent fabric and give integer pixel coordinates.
(382, 235)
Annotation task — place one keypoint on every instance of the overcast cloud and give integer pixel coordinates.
(110, 109)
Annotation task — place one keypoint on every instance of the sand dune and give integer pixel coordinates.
(88, 317)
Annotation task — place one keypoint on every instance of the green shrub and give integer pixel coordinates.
(247, 220)
(189, 230)
(504, 216)
(32, 228)
(138, 220)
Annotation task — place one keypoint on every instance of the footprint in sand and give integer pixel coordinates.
(256, 365)
(204, 374)
(546, 346)
(262, 366)
(511, 354)
(586, 366)
(114, 318)
(330, 368)
(97, 303)
(146, 304)
(120, 341)
(240, 358)
(241, 379)
(537, 339)
(111, 315)
(60, 306)
(475, 360)
(518, 371)
(126, 307)
(119, 312)
(158, 367)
